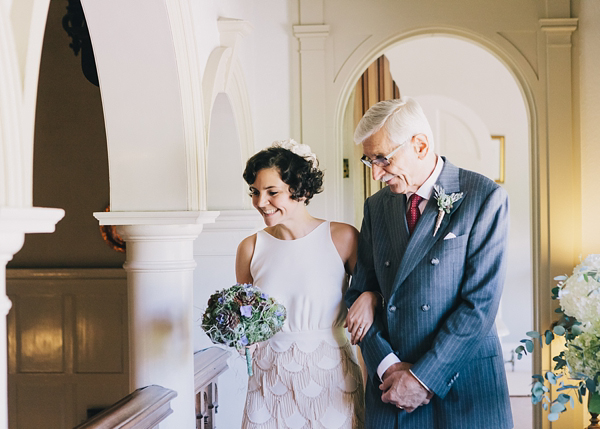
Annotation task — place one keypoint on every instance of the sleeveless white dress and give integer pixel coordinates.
(306, 376)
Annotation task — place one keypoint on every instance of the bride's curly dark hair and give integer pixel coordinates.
(297, 172)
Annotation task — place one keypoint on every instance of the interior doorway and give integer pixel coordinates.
(480, 122)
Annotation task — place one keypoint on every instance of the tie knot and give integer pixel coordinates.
(415, 200)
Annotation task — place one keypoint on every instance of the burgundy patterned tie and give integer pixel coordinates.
(413, 214)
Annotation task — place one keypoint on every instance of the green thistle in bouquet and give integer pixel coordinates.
(242, 315)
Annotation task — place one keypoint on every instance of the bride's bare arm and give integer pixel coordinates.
(345, 238)
(361, 315)
(243, 258)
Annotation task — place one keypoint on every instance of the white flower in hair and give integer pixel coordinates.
(299, 149)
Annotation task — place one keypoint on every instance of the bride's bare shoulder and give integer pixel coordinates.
(343, 234)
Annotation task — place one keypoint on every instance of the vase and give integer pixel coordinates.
(594, 421)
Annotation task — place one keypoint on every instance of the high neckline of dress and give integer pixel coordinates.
(295, 239)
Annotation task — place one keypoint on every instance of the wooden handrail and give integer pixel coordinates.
(144, 408)
(208, 364)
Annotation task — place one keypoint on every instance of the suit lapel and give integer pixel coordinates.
(422, 239)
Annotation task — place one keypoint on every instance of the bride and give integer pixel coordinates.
(306, 376)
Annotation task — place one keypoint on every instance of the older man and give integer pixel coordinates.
(433, 244)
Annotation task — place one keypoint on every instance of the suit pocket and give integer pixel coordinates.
(454, 243)
(490, 346)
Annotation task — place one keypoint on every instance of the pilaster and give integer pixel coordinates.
(312, 40)
(563, 191)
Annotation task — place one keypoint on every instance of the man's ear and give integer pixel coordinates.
(421, 145)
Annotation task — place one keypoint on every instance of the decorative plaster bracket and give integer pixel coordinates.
(559, 30)
(311, 37)
(219, 67)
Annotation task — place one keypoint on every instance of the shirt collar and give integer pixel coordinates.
(426, 188)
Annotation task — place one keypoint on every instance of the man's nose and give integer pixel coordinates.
(377, 172)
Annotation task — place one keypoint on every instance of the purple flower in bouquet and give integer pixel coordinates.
(242, 315)
(246, 310)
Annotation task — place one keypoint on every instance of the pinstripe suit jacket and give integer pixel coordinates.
(440, 302)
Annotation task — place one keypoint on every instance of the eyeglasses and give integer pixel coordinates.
(380, 161)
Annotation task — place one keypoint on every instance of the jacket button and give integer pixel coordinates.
(435, 261)
(392, 308)
(425, 307)
(387, 264)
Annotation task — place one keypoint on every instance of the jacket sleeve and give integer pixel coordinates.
(374, 346)
(480, 291)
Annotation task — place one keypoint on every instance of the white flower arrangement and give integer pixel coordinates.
(579, 297)
(299, 149)
(579, 294)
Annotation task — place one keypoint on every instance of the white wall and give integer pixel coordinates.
(464, 72)
(266, 59)
(588, 58)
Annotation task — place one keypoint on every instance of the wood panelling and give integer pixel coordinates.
(67, 345)
(375, 85)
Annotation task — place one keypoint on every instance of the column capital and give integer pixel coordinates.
(311, 30)
(16, 222)
(157, 218)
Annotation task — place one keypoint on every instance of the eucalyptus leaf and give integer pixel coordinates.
(551, 377)
(559, 330)
(533, 334)
(563, 398)
(558, 310)
(576, 330)
(538, 377)
(538, 390)
(529, 345)
(557, 407)
(549, 337)
(553, 417)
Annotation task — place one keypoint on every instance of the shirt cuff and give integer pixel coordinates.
(387, 361)
(419, 380)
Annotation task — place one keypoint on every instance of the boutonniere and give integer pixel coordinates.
(445, 203)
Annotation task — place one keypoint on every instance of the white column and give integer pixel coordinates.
(160, 265)
(14, 224)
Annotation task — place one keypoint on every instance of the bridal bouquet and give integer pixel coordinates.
(240, 316)
(579, 362)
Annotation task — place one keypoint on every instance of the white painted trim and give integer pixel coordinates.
(29, 220)
(184, 40)
(31, 76)
(12, 191)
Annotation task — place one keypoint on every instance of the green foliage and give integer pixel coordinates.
(579, 383)
(242, 315)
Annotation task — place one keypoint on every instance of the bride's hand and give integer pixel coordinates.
(361, 314)
(252, 347)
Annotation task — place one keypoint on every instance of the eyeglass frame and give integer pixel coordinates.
(384, 161)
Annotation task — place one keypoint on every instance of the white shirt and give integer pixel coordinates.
(424, 191)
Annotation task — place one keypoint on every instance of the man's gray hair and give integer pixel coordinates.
(401, 119)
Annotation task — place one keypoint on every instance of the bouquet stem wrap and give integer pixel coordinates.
(249, 361)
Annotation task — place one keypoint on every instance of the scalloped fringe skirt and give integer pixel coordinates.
(305, 380)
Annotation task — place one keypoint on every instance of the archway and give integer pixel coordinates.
(411, 58)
